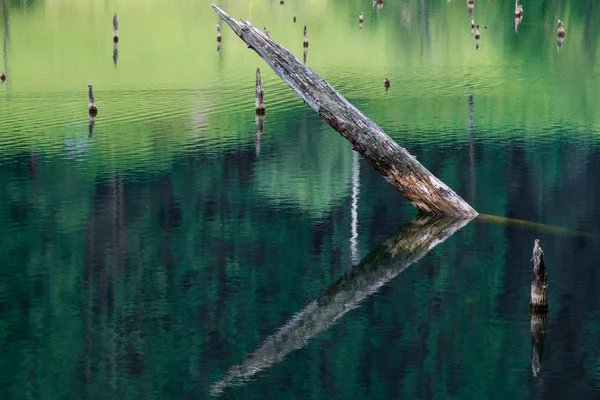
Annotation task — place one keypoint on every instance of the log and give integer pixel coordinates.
(419, 186)
(539, 280)
(382, 265)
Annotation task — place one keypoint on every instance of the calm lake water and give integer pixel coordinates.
(165, 251)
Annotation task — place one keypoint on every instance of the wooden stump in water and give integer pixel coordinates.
(538, 305)
(539, 280)
(260, 96)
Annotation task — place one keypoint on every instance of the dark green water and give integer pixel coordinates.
(167, 252)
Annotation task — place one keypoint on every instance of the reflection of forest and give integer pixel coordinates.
(197, 249)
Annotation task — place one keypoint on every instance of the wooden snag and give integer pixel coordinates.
(539, 280)
(401, 169)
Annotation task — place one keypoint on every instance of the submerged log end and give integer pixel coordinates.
(539, 280)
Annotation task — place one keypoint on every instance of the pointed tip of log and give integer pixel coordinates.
(228, 20)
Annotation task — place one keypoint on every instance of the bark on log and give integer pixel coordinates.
(539, 280)
(419, 186)
(383, 264)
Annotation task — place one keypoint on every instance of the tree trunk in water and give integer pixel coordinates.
(419, 186)
(539, 278)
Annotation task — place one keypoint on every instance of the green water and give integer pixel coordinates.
(165, 250)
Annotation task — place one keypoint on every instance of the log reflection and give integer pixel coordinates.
(115, 53)
(259, 123)
(354, 254)
(538, 340)
(518, 21)
(379, 267)
(91, 123)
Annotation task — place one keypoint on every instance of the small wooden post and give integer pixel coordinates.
(305, 37)
(115, 28)
(260, 97)
(539, 280)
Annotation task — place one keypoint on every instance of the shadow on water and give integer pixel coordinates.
(414, 241)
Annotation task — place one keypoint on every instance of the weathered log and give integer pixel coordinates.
(426, 192)
(260, 96)
(539, 280)
(538, 340)
(383, 264)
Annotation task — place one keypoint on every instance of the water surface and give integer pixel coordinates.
(165, 251)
